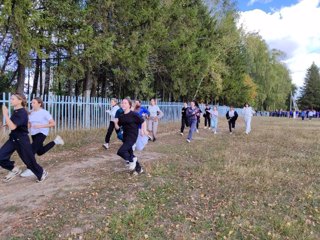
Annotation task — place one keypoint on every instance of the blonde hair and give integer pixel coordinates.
(22, 98)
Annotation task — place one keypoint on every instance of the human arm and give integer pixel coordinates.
(9, 123)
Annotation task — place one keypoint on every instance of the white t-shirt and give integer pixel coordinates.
(153, 110)
(39, 117)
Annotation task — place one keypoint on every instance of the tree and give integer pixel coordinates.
(310, 92)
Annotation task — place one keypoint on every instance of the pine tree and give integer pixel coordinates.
(310, 96)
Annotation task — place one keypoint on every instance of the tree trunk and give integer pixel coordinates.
(36, 77)
(47, 76)
(5, 62)
(21, 77)
(41, 82)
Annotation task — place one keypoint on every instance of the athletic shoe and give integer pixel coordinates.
(43, 177)
(205, 127)
(188, 140)
(27, 173)
(149, 138)
(230, 132)
(58, 140)
(134, 147)
(197, 131)
(181, 134)
(132, 165)
(215, 132)
(106, 145)
(137, 173)
(154, 139)
(209, 128)
(12, 174)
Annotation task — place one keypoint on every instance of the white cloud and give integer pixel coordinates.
(292, 29)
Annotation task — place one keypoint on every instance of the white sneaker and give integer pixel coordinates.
(58, 140)
(43, 177)
(197, 131)
(106, 145)
(137, 173)
(215, 132)
(132, 165)
(27, 173)
(181, 134)
(188, 140)
(205, 127)
(12, 174)
(209, 128)
(134, 147)
(230, 132)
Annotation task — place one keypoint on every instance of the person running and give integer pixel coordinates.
(247, 114)
(19, 141)
(130, 122)
(153, 120)
(198, 117)
(214, 114)
(206, 116)
(232, 117)
(142, 139)
(40, 120)
(112, 112)
(192, 114)
(183, 117)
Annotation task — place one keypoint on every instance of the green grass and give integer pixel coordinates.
(262, 186)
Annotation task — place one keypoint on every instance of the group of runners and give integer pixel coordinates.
(134, 125)
(36, 122)
(191, 117)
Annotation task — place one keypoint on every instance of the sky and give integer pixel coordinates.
(291, 26)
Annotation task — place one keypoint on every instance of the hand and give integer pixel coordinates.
(36, 126)
(5, 111)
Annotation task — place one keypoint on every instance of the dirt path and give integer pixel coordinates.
(21, 196)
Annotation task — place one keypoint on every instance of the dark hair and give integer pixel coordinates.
(22, 98)
(39, 100)
(129, 101)
(138, 100)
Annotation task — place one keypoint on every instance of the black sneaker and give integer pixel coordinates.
(154, 139)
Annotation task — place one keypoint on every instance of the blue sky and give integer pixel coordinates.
(265, 5)
(286, 25)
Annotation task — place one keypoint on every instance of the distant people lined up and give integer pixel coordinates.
(303, 114)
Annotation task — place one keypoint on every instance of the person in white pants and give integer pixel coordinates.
(247, 114)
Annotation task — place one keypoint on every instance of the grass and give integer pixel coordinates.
(262, 186)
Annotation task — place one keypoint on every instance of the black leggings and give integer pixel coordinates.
(126, 152)
(37, 144)
(232, 124)
(109, 132)
(22, 145)
(183, 124)
(207, 121)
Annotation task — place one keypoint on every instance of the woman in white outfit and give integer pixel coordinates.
(40, 120)
(112, 113)
(247, 114)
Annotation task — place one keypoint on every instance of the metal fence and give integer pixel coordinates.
(74, 113)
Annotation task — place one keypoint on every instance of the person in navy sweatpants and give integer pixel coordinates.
(19, 141)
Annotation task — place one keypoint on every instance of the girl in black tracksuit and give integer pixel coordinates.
(19, 141)
(206, 115)
(183, 117)
(232, 117)
(130, 122)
